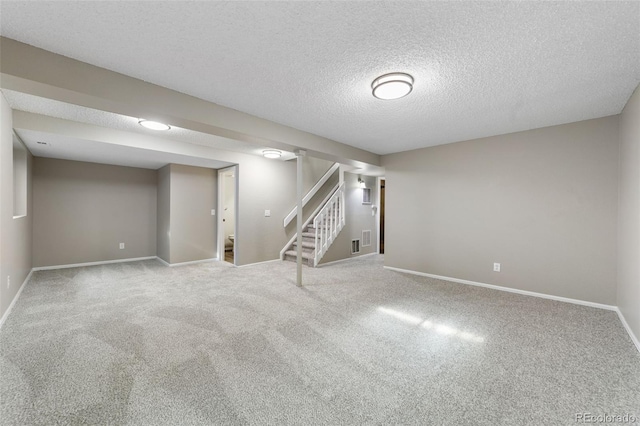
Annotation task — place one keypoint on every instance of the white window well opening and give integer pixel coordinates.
(355, 246)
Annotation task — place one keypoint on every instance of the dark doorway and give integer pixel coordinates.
(381, 216)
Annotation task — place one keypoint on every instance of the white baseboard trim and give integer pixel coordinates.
(344, 260)
(161, 260)
(634, 339)
(192, 262)
(15, 299)
(102, 262)
(259, 263)
(507, 289)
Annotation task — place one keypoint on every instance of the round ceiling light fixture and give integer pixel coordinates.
(271, 153)
(392, 86)
(153, 125)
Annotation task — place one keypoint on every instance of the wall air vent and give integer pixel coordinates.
(366, 238)
(366, 195)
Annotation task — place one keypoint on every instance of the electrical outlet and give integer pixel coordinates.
(267, 213)
(496, 267)
(8, 281)
(121, 246)
(213, 212)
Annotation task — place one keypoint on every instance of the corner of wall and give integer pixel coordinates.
(16, 233)
(628, 267)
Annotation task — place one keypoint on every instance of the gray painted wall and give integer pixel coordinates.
(543, 203)
(313, 170)
(358, 218)
(268, 185)
(263, 184)
(316, 201)
(164, 214)
(15, 234)
(82, 211)
(177, 226)
(629, 214)
(186, 230)
(194, 192)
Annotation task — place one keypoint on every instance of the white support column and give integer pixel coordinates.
(299, 156)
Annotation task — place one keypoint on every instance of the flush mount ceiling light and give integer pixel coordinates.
(153, 125)
(392, 86)
(271, 153)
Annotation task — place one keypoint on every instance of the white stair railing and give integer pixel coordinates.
(311, 193)
(328, 223)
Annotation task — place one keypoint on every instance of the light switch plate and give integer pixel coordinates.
(267, 213)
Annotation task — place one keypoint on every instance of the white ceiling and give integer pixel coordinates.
(68, 148)
(481, 68)
(99, 152)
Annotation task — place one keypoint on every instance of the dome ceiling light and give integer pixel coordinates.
(271, 153)
(392, 86)
(153, 125)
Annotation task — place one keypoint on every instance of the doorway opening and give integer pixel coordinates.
(381, 233)
(227, 214)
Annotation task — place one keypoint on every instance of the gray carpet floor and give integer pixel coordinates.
(143, 344)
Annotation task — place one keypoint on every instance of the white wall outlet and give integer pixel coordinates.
(267, 213)
(121, 246)
(8, 281)
(496, 267)
(213, 212)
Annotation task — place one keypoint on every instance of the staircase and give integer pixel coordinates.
(317, 236)
(308, 247)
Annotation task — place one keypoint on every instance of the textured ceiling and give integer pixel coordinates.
(481, 68)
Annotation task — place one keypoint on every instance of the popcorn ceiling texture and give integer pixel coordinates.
(143, 344)
(481, 68)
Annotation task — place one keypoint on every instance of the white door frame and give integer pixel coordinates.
(220, 226)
